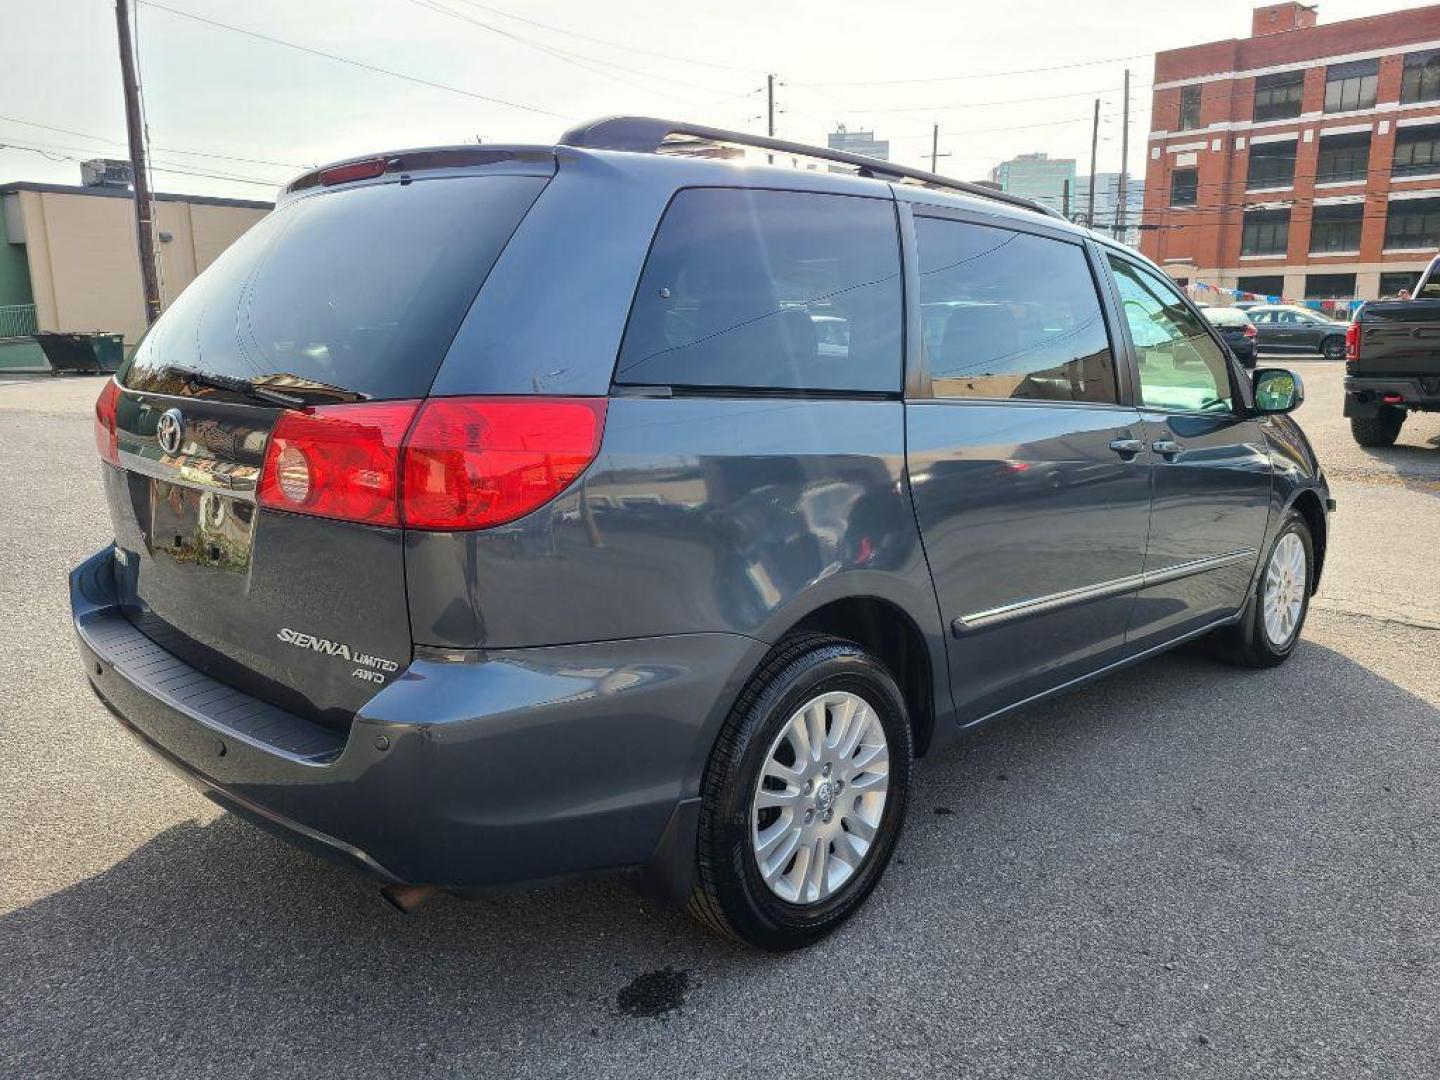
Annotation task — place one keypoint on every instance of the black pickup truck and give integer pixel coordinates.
(1392, 362)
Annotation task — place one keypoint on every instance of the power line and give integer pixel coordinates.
(981, 74)
(672, 57)
(585, 63)
(356, 63)
(966, 104)
(162, 149)
(58, 153)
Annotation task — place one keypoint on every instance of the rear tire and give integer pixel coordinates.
(1380, 430)
(781, 882)
(1270, 627)
(1333, 348)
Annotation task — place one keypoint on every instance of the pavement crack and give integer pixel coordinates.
(1331, 608)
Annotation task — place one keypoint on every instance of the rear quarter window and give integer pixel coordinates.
(360, 289)
(767, 289)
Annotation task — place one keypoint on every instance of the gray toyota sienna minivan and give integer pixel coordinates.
(492, 514)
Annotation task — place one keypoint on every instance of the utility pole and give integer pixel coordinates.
(1065, 199)
(1121, 206)
(935, 154)
(1094, 146)
(770, 111)
(144, 206)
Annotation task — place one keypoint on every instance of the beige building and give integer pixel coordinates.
(69, 262)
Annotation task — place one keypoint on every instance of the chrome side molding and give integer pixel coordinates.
(979, 620)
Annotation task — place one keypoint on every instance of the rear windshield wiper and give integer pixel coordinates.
(245, 387)
(287, 391)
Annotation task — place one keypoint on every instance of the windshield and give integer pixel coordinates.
(356, 290)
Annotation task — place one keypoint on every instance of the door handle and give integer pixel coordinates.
(1166, 448)
(1127, 448)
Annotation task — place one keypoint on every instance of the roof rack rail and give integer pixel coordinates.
(648, 135)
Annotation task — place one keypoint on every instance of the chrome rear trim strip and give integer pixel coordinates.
(1196, 566)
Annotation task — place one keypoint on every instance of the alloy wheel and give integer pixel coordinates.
(820, 797)
(1286, 579)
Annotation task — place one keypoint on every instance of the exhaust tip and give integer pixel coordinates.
(406, 898)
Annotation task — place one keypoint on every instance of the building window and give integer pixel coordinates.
(1265, 232)
(1337, 228)
(1329, 286)
(1413, 223)
(1417, 151)
(1343, 158)
(1421, 81)
(1189, 107)
(1184, 187)
(1396, 282)
(1272, 165)
(1277, 97)
(1262, 284)
(1351, 86)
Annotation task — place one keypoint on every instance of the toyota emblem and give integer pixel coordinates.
(169, 430)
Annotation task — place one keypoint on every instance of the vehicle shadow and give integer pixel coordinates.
(1175, 803)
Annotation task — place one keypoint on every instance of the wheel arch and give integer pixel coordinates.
(884, 629)
(1308, 505)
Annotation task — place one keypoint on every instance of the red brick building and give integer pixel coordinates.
(1302, 161)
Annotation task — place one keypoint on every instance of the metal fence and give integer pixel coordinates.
(16, 320)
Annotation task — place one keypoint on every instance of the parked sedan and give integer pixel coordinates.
(1289, 329)
(1237, 330)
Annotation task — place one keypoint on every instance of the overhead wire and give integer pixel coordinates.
(361, 64)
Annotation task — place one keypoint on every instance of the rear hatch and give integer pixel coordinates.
(335, 310)
(1399, 337)
(1234, 326)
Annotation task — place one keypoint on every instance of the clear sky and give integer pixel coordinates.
(896, 67)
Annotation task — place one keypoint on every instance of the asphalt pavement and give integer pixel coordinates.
(1184, 870)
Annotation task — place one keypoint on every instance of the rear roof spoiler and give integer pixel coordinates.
(647, 135)
(416, 160)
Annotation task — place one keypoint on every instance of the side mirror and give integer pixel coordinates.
(1277, 391)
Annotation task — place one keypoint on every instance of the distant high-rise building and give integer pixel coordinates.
(1039, 177)
(1107, 201)
(858, 142)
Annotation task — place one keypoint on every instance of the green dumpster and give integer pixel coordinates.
(97, 352)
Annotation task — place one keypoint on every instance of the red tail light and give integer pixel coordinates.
(1250, 330)
(471, 463)
(107, 438)
(356, 170)
(467, 463)
(338, 461)
(1352, 342)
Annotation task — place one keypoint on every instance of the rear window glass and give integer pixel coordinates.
(359, 289)
(769, 289)
(1226, 316)
(1010, 315)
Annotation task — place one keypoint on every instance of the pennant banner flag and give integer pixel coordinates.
(1200, 289)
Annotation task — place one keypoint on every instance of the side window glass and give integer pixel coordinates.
(1181, 366)
(769, 289)
(1010, 315)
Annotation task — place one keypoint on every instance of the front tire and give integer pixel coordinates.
(1381, 429)
(1270, 626)
(804, 796)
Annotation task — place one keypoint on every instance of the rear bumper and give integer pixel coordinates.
(1244, 350)
(484, 769)
(1366, 395)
